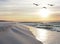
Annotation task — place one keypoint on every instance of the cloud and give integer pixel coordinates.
(23, 5)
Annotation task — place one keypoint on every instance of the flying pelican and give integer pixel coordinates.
(50, 4)
(44, 7)
(36, 4)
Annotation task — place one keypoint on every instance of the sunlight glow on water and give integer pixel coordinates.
(41, 34)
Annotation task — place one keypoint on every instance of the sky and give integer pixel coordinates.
(25, 11)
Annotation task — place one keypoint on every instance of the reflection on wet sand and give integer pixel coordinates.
(41, 34)
(46, 36)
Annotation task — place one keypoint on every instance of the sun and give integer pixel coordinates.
(44, 13)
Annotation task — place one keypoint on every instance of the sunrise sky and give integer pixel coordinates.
(25, 11)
